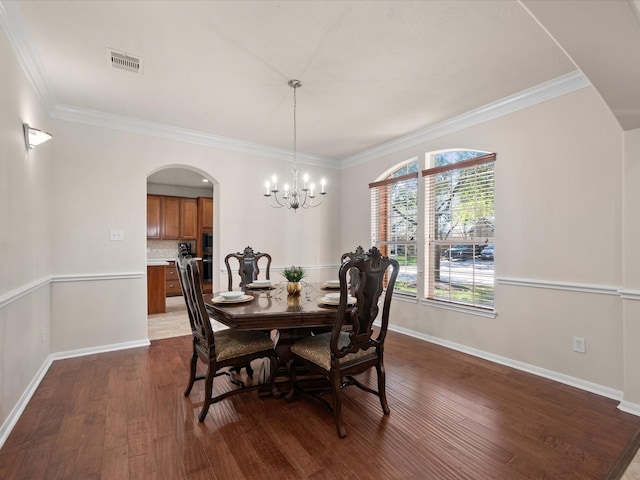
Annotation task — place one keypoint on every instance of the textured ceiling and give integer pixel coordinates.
(372, 71)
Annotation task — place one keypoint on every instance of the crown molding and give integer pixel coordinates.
(13, 25)
(540, 93)
(169, 132)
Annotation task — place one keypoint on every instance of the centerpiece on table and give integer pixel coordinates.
(293, 275)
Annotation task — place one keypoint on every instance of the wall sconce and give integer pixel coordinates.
(34, 137)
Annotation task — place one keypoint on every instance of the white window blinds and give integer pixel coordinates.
(394, 225)
(459, 199)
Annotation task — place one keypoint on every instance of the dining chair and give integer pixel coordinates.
(353, 277)
(224, 349)
(352, 347)
(248, 266)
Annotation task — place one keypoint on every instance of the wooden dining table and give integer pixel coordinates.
(293, 317)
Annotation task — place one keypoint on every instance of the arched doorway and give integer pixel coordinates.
(179, 211)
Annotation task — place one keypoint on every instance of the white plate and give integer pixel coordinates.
(260, 284)
(243, 298)
(336, 301)
(332, 296)
(231, 295)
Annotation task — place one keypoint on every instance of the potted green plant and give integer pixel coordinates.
(293, 275)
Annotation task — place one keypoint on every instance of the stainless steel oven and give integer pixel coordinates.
(207, 242)
(207, 267)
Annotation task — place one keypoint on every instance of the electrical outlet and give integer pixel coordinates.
(579, 345)
(117, 235)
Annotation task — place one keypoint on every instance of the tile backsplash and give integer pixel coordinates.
(164, 249)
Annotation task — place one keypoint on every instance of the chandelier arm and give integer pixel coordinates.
(278, 204)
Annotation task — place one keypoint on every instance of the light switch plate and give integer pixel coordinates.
(116, 235)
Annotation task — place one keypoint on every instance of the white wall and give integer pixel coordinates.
(558, 224)
(25, 193)
(631, 266)
(99, 183)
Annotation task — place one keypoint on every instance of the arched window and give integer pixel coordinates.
(394, 222)
(453, 220)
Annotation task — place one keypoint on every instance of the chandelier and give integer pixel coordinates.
(293, 196)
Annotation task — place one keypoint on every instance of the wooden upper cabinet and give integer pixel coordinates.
(154, 214)
(206, 212)
(173, 218)
(189, 219)
(171, 207)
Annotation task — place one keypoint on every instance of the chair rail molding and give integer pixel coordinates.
(85, 277)
(553, 285)
(14, 295)
(628, 294)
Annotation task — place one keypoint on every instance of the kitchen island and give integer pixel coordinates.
(156, 287)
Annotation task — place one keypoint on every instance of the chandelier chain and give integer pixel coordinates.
(295, 130)
(294, 196)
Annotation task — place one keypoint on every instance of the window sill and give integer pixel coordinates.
(456, 307)
(405, 298)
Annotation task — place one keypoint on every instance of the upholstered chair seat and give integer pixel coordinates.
(317, 349)
(236, 343)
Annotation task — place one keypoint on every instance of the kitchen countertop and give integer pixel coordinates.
(156, 262)
(160, 262)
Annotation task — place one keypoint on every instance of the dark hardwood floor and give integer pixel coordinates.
(122, 415)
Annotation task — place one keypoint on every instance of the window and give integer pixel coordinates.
(394, 222)
(459, 205)
(451, 214)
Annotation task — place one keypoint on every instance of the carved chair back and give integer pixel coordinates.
(353, 277)
(368, 272)
(248, 267)
(202, 332)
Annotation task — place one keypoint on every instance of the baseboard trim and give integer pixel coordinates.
(16, 411)
(525, 367)
(630, 407)
(13, 417)
(100, 349)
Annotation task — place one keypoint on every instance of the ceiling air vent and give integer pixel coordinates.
(123, 61)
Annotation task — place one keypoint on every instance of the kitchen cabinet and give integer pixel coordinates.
(205, 211)
(189, 218)
(172, 283)
(156, 285)
(154, 209)
(172, 218)
(170, 229)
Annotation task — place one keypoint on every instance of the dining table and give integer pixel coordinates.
(270, 309)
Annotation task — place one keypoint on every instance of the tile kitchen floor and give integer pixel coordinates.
(174, 322)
